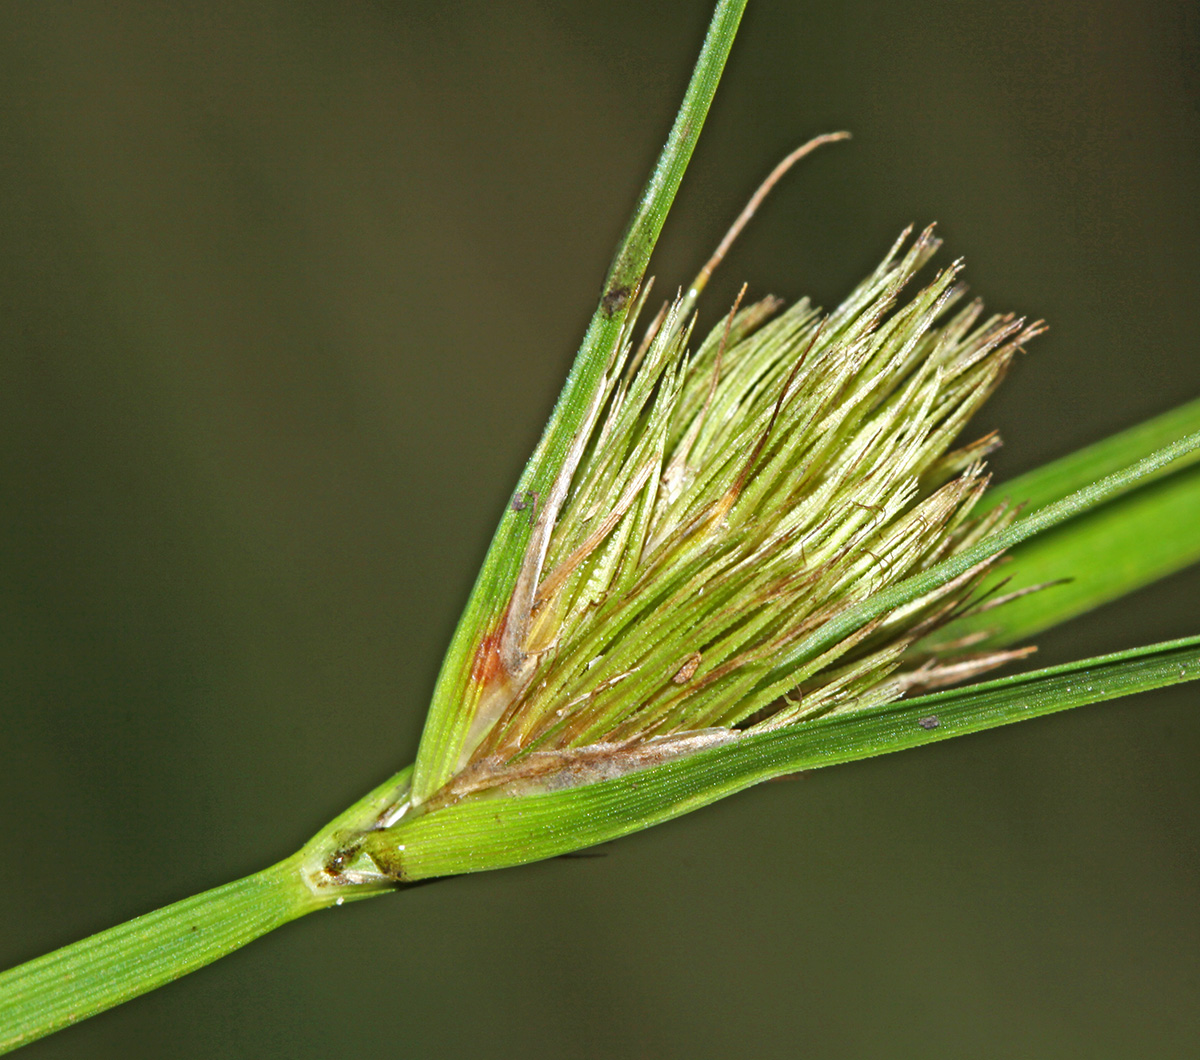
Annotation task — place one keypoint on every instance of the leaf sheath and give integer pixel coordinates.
(490, 833)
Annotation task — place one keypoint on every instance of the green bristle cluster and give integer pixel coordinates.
(727, 503)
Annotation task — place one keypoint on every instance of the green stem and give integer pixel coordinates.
(101, 971)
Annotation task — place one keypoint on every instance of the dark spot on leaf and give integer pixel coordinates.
(614, 299)
(340, 859)
(930, 722)
(527, 500)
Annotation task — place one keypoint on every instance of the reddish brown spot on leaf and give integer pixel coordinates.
(486, 666)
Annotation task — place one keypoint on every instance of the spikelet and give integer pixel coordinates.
(721, 505)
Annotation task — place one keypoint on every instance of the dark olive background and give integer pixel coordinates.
(286, 293)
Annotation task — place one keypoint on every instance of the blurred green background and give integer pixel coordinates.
(286, 293)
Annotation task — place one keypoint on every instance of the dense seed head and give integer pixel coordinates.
(719, 506)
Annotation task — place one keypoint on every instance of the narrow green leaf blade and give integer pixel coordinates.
(1126, 543)
(1055, 480)
(488, 833)
(449, 714)
(1122, 546)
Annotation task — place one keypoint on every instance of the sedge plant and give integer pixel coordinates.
(732, 556)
